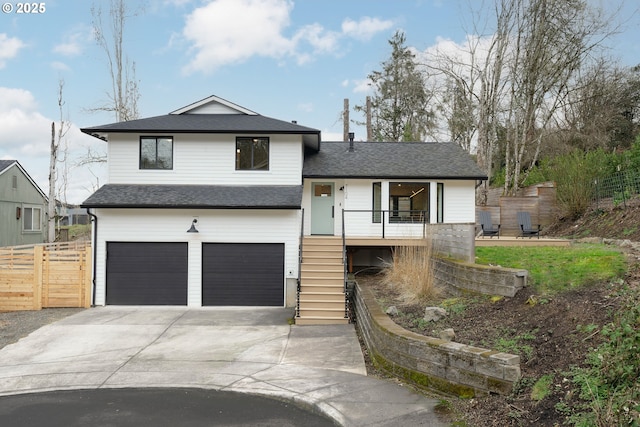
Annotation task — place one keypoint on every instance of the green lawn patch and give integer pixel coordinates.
(555, 269)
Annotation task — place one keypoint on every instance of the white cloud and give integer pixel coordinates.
(25, 132)
(225, 32)
(321, 40)
(9, 48)
(74, 42)
(231, 31)
(331, 136)
(68, 49)
(60, 66)
(365, 28)
(26, 137)
(362, 86)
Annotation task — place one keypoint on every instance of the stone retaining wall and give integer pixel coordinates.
(429, 362)
(459, 277)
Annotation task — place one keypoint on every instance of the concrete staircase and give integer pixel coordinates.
(322, 298)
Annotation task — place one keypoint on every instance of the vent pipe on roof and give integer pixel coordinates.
(351, 136)
(295, 122)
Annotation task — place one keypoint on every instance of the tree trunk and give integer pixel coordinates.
(51, 221)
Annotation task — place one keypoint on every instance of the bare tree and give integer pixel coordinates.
(516, 77)
(124, 94)
(57, 182)
(550, 42)
(602, 110)
(473, 101)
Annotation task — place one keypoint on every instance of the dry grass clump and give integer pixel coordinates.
(411, 272)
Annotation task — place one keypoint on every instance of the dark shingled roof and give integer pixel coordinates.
(204, 123)
(391, 160)
(5, 164)
(196, 196)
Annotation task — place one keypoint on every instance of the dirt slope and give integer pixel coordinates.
(550, 334)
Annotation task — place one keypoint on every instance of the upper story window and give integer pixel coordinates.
(252, 153)
(32, 219)
(156, 152)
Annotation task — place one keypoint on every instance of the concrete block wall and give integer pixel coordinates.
(453, 240)
(460, 277)
(432, 363)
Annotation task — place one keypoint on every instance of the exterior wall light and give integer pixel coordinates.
(193, 228)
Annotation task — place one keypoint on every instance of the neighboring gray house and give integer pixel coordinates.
(214, 204)
(23, 207)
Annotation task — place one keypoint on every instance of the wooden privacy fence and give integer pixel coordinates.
(45, 276)
(539, 200)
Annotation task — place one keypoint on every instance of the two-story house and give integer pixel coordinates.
(216, 205)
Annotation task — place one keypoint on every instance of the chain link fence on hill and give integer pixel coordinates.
(618, 188)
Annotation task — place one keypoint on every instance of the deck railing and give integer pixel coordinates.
(300, 264)
(346, 272)
(380, 220)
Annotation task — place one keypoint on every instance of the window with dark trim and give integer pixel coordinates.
(252, 153)
(156, 152)
(440, 202)
(409, 202)
(377, 203)
(32, 219)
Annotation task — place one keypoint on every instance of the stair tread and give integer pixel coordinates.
(320, 317)
(320, 293)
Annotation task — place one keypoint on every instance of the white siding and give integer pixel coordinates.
(207, 160)
(357, 195)
(459, 202)
(223, 226)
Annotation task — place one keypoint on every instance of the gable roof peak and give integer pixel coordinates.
(214, 105)
(4, 164)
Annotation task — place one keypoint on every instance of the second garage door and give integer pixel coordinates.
(243, 274)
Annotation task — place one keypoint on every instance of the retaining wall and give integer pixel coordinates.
(454, 240)
(460, 277)
(428, 362)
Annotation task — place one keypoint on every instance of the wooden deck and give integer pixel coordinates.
(480, 241)
(513, 241)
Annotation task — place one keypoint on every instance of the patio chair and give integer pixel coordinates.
(526, 229)
(488, 229)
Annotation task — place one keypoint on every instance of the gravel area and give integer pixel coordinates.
(18, 324)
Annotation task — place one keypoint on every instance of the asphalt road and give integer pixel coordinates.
(152, 407)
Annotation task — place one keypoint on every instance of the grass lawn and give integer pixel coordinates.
(554, 269)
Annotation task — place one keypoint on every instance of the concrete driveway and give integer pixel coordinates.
(252, 350)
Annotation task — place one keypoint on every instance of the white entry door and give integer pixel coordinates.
(322, 208)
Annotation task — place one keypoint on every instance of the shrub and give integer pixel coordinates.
(411, 272)
(609, 386)
(574, 174)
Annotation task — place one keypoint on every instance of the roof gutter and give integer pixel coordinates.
(218, 207)
(94, 218)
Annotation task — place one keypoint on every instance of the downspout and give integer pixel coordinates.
(95, 251)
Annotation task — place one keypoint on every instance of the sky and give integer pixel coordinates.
(286, 59)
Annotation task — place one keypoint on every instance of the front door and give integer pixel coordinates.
(322, 208)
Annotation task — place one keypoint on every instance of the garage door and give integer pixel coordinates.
(146, 273)
(243, 274)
